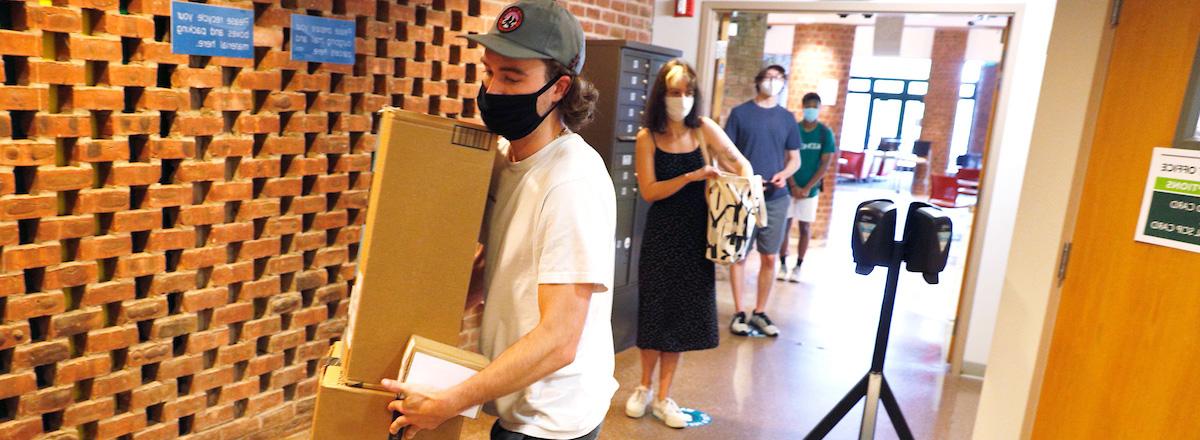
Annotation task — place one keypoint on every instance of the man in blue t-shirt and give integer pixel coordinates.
(766, 134)
(816, 155)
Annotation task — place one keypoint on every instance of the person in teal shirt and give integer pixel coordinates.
(817, 152)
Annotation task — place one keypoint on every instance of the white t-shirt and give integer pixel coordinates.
(552, 221)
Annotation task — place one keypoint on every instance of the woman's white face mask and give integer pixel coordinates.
(678, 107)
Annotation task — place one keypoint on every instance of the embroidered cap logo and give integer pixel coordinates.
(510, 20)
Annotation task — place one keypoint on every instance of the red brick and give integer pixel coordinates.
(257, 124)
(311, 279)
(194, 171)
(106, 246)
(239, 390)
(40, 353)
(231, 232)
(201, 214)
(226, 274)
(225, 146)
(267, 286)
(277, 226)
(241, 351)
(101, 150)
(61, 125)
(284, 145)
(334, 183)
(201, 342)
(168, 429)
(312, 350)
(202, 257)
(279, 101)
(62, 178)
(25, 428)
(102, 200)
(103, 293)
(120, 425)
(97, 98)
(245, 63)
(259, 80)
(230, 191)
(16, 384)
(287, 186)
(332, 144)
(70, 275)
(330, 329)
(24, 97)
(58, 228)
(170, 327)
(196, 78)
(229, 100)
(309, 316)
(259, 208)
(284, 264)
(9, 234)
(117, 382)
(302, 123)
(13, 334)
(185, 406)
(20, 43)
(276, 60)
(330, 256)
(161, 196)
(133, 26)
(197, 300)
(26, 153)
(136, 265)
(264, 402)
(179, 238)
(56, 72)
(94, 47)
(309, 241)
(170, 148)
(136, 220)
(198, 125)
(111, 338)
(156, 52)
(288, 375)
(54, 19)
(348, 235)
(259, 248)
(155, 98)
(123, 124)
(212, 378)
(31, 255)
(82, 368)
(149, 353)
(252, 168)
(131, 75)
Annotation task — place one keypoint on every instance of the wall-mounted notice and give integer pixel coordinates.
(200, 29)
(1171, 203)
(322, 40)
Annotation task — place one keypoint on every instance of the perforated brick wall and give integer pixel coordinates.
(178, 233)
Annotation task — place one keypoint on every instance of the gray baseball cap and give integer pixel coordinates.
(540, 29)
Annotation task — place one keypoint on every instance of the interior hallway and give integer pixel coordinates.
(780, 388)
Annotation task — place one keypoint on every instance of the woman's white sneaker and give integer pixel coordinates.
(636, 405)
(669, 412)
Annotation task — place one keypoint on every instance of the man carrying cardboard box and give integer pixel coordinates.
(549, 244)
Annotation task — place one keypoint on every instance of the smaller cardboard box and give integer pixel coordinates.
(440, 366)
(346, 411)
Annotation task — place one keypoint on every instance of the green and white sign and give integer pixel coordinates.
(1171, 204)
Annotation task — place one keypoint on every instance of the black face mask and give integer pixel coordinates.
(513, 116)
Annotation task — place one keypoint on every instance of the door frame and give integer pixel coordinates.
(705, 61)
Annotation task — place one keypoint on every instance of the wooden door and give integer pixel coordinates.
(1126, 344)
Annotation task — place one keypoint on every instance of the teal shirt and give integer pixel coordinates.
(813, 144)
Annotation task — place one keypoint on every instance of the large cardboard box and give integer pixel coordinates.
(346, 412)
(428, 194)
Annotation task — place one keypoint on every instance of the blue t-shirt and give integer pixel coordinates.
(764, 135)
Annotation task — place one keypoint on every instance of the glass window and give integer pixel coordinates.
(966, 91)
(884, 121)
(914, 111)
(859, 85)
(890, 67)
(889, 86)
(854, 125)
(964, 120)
(918, 88)
(971, 71)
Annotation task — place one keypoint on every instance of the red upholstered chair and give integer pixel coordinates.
(943, 191)
(852, 165)
(968, 181)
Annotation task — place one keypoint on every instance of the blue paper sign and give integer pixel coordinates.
(200, 29)
(322, 40)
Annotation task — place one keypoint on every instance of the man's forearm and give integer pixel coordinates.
(534, 356)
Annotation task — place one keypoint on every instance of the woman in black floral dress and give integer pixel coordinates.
(677, 307)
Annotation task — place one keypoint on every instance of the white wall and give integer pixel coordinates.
(780, 39)
(680, 33)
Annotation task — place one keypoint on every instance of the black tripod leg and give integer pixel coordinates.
(893, 410)
(835, 415)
